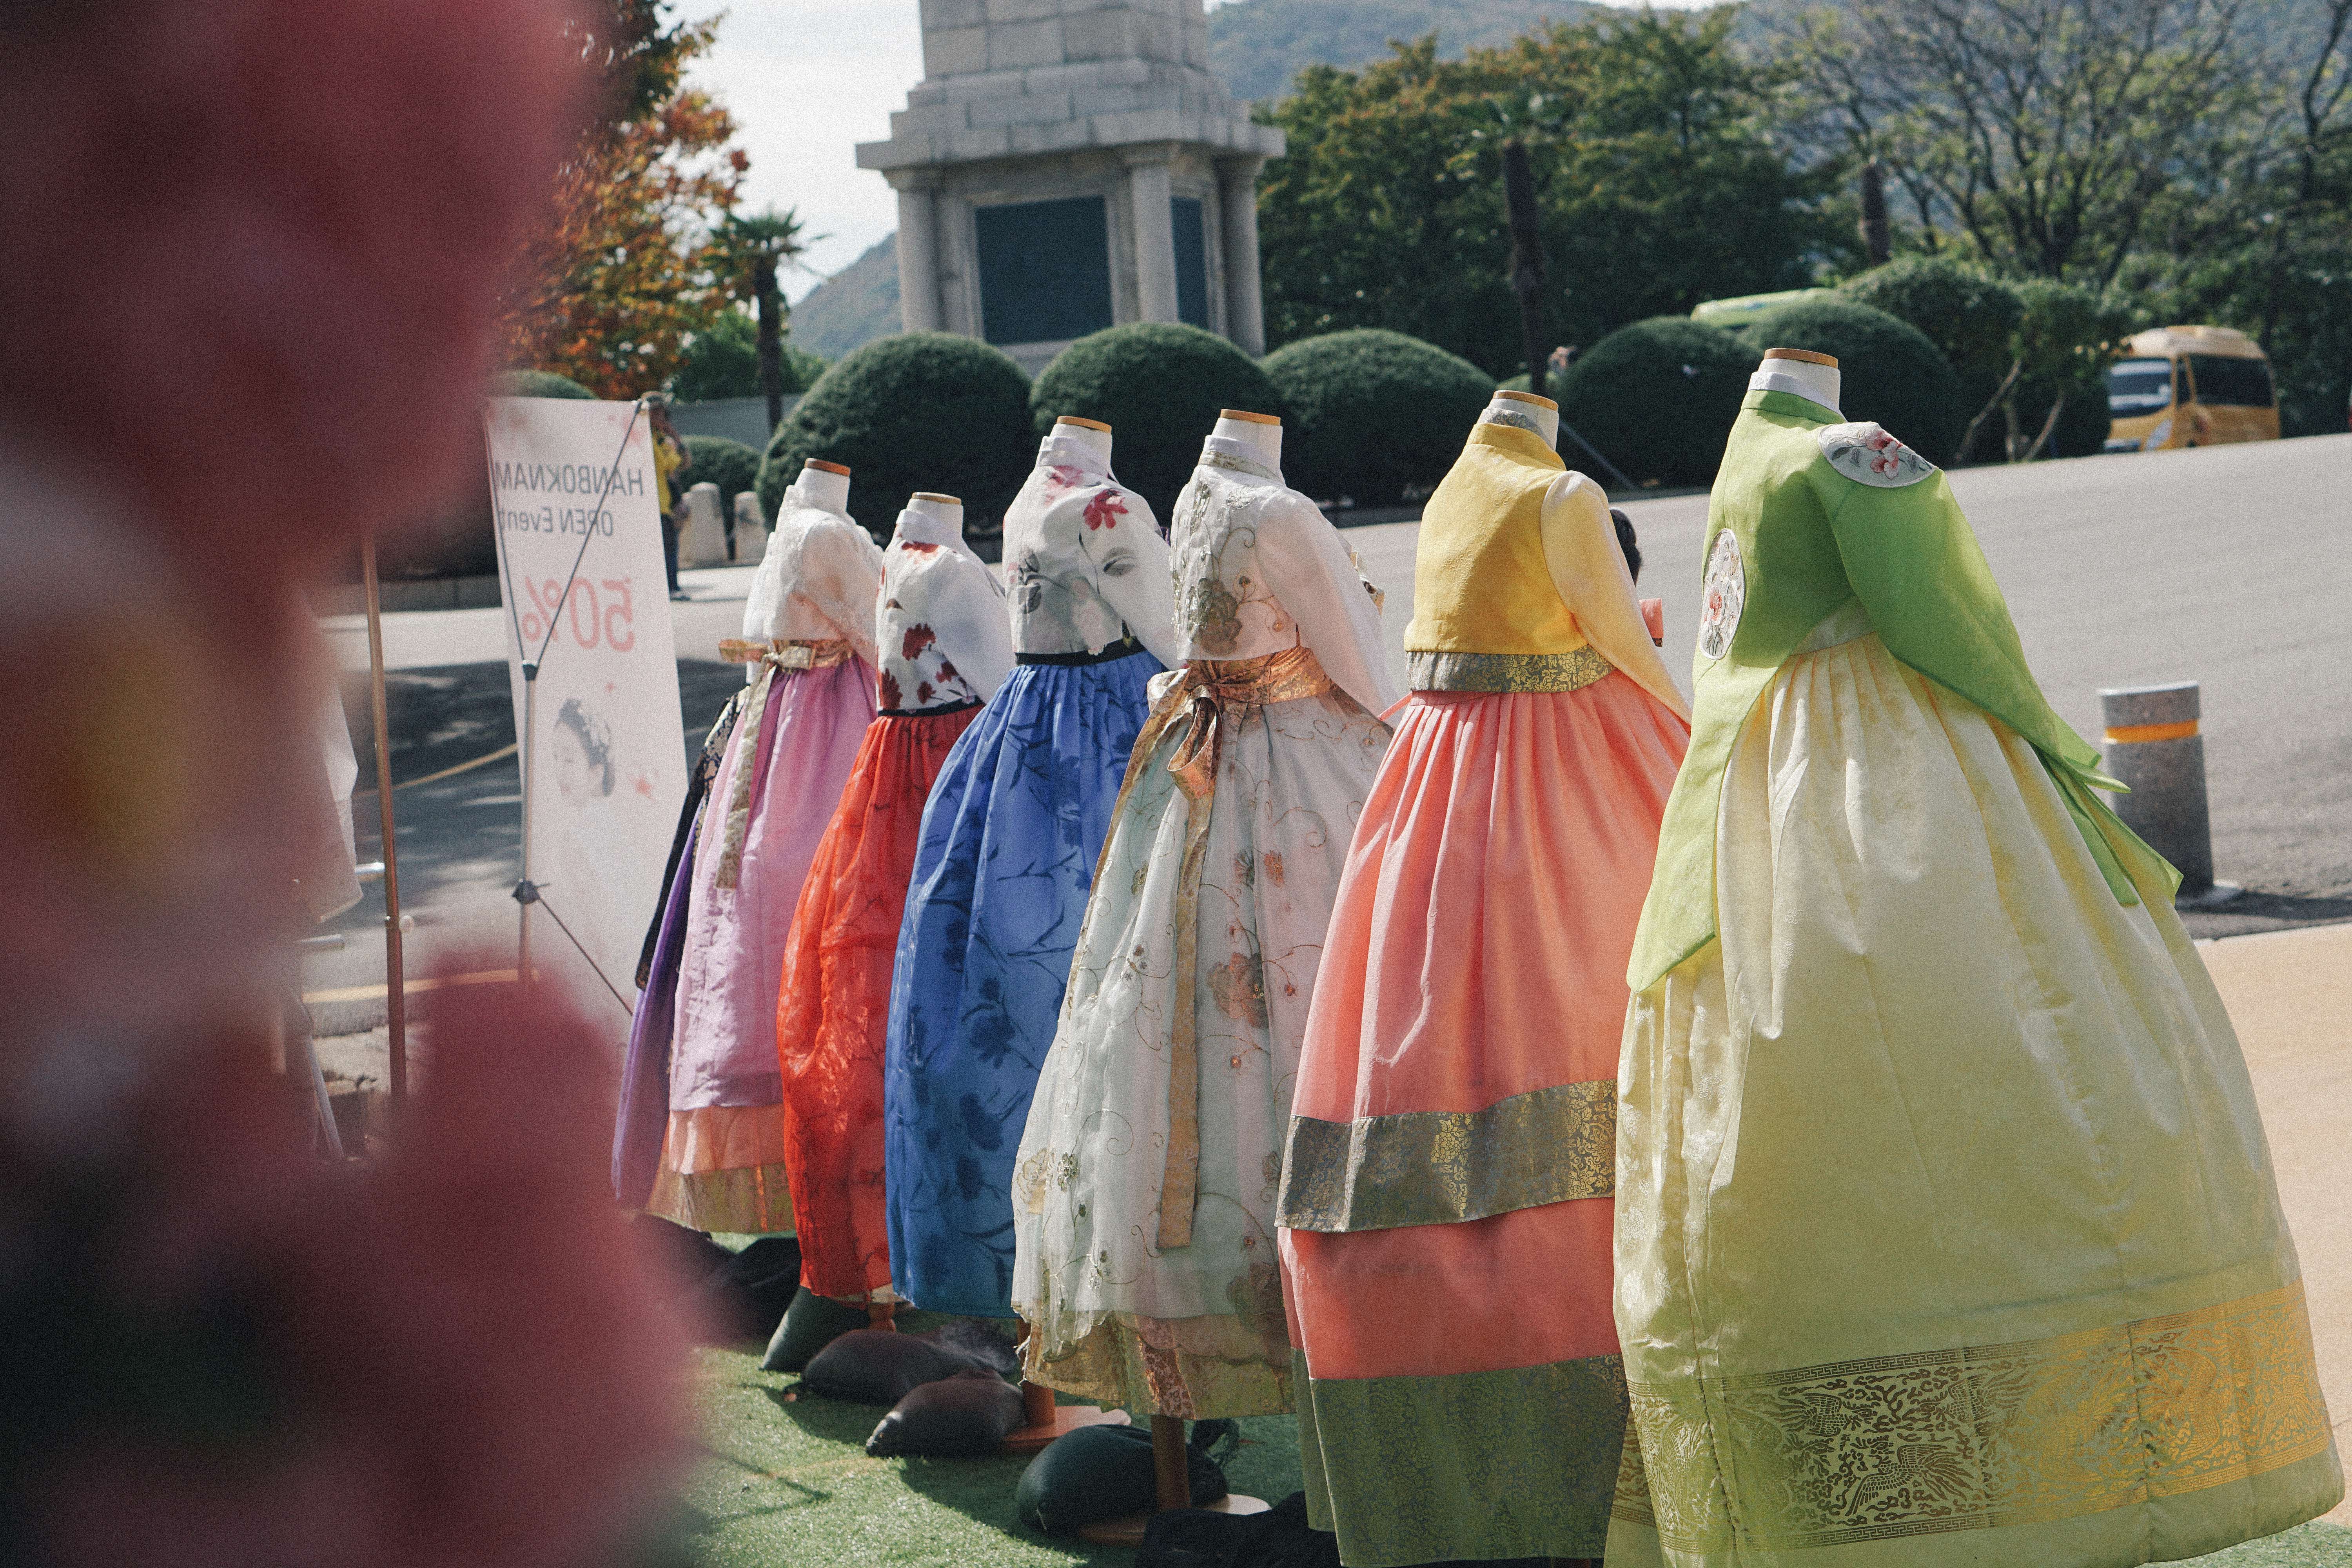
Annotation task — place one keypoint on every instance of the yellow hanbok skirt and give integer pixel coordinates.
(1945, 1227)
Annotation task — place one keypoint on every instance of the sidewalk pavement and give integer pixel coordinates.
(2290, 994)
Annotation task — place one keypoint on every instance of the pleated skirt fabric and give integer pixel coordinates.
(722, 1159)
(1194, 1329)
(833, 1011)
(1446, 1196)
(1946, 1227)
(1007, 856)
(643, 1120)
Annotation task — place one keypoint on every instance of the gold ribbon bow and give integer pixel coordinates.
(771, 655)
(787, 653)
(1212, 693)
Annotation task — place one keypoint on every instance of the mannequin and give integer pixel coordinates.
(1810, 376)
(1445, 1205)
(943, 646)
(1901, 957)
(808, 644)
(825, 485)
(1011, 837)
(1143, 1196)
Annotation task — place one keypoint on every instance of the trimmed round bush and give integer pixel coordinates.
(730, 464)
(919, 411)
(1657, 398)
(1373, 412)
(540, 383)
(1158, 386)
(1969, 314)
(1889, 372)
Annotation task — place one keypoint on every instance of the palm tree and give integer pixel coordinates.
(760, 244)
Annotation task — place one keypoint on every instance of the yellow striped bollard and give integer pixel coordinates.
(2152, 744)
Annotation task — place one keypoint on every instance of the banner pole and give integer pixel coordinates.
(526, 894)
(396, 998)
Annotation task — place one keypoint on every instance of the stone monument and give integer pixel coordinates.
(1067, 165)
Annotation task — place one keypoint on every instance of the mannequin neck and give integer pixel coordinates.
(1263, 442)
(929, 521)
(1525, 415)
(826, 492)
(1814, 383)
(1086, 435)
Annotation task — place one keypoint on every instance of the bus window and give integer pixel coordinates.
(2231, 383)
(2139, 387)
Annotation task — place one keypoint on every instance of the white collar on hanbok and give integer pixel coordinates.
(1224, 452)
(1068, 452)
(925, 522)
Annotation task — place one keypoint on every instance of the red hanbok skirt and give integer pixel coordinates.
(833, 1009)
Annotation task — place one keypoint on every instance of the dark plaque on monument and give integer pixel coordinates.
(1044, 269)
(1191, 261)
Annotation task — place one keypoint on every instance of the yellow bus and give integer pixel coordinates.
(2190, 386)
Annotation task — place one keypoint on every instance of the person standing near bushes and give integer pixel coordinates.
(671, 462)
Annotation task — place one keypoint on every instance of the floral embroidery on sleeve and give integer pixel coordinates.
(1105, 509)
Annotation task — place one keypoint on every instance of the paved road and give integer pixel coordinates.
(2231, 566)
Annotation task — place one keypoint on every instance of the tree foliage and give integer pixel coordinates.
(1661, 182)
(629, 263)
(722, 360)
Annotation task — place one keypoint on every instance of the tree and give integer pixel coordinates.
(1661, 181)
(722, 360)
(2042, 132)
(755, 245)
(629, 264)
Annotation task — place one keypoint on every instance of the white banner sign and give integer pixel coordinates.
(580, 563)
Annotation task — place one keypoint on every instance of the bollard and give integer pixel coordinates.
(702, 541)
(751, 542)
(2153, 747)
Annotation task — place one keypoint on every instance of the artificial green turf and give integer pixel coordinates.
(786, 1481)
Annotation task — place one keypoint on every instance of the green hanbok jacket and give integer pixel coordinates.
(1812, 518)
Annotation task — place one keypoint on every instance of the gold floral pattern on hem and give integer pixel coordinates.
(1442, 1167)
(1429, 669)
(1189, 1367)
(1979, 1437)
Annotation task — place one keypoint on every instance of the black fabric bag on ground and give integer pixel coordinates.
(746, 1295)
(1279, 1538)
(811, 1324)
(882, 1366)
(1102, 1472)
(961, 1418)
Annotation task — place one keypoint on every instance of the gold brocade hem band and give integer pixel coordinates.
(1189, 1367)
(1428, 670)
(1442, 1167)
(1976, 1438)
(1210, 693)
(740, 1199)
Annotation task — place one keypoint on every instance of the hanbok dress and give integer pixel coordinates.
(1446, 1189)
(808, 637)
(642, 1121)
(1010, 839)
(946, 647)
(1947, 1232)
(1144, 1197)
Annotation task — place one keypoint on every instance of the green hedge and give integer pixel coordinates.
(1969, 314)
(1889, 372)
(1159, 387)
(540, 383)
(920, 411)
(1373, 413)
(1657, 398)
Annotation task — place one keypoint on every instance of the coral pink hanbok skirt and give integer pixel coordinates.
(1446, 1191)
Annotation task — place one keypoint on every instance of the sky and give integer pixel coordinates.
(806, 82)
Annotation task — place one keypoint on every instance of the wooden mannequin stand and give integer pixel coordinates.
(1042, 1420)
(1172, 1482)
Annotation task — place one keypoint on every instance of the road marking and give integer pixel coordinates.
(434, 982)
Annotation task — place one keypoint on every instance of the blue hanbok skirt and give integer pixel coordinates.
(1010, 839)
